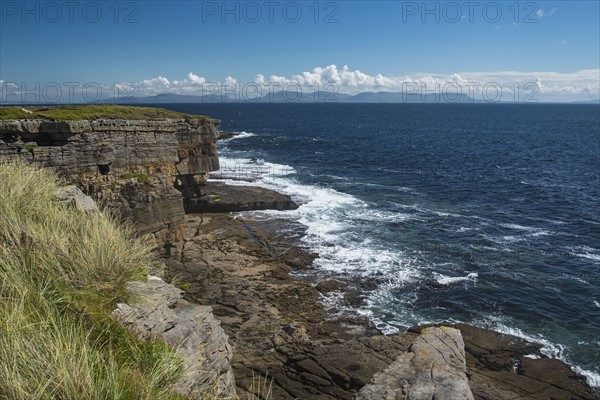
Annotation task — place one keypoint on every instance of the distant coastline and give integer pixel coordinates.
(281, 97)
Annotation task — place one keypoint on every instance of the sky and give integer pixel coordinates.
(542, 50)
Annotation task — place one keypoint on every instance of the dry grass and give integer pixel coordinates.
(61, 273)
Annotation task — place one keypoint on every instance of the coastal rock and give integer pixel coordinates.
(282, 332)
(277, 325)
(433, 369)
(330, 285)
(74, 197)
(159, 311)
(219, 197)
(138, 168)
(501, 367)
(150, 208)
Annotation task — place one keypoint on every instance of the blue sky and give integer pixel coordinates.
(155, 42)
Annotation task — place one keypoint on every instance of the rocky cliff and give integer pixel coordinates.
(144, 169)
(152, 172)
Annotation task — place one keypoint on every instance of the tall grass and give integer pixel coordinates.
(61, 273)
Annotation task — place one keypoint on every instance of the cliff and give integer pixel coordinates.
(152, 171)
(144, 169)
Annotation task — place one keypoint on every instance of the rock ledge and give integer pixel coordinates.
(159, 311)
(434, 367)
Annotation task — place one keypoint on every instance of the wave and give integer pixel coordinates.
(239, 135)
(332, 220)
(584, 252)
(448, 280)
(239, 171)
(521, 227)
(549, 349)
(337, 229)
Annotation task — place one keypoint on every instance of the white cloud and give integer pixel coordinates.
(554, 86)
(541, 13)
(230, 81)
(194, 79)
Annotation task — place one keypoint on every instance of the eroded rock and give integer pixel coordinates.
(219, 197)
(137, 168)
(434, 368)
(499, 367)
(74, 197)
(159, 311)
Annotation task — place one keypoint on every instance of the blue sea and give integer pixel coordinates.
(481, 213)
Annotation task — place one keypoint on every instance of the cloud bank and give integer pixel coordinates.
(506, 86)
(547, 86)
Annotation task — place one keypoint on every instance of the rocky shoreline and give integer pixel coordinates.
(268, 322)
(278, 326)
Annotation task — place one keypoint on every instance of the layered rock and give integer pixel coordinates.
(433, 368)
(505, 367)
(279, 328)
(159, 311)
(138, 167)
(219, 197)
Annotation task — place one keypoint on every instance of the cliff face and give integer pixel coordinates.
(144, 169)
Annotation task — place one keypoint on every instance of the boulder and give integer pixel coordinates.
(73, 196)
(219, 197)
(159, 311)
(434, 368)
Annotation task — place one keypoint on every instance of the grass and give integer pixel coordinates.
(91, 112)
(140, 176)
(62, 272)
(29, 147)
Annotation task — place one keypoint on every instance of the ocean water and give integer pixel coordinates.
(479, 213)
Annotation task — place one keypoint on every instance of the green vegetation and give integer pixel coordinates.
(76, 112)
(140, 176)
(29, 147)
(62, 271)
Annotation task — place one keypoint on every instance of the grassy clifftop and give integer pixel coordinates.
(61, 273)
(90, 112)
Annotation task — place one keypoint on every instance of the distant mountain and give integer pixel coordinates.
(595, 101)
(298, 97)
(401, 97)
(165, 98)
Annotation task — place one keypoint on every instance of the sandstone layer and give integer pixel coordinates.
(140, 168)
(433, 368)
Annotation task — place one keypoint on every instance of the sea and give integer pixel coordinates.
(487, 214)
